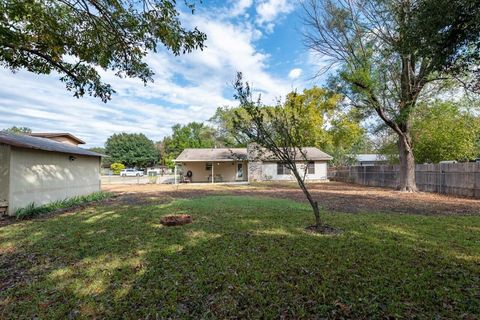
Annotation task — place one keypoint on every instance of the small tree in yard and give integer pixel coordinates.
(117, 167)
(278, 133)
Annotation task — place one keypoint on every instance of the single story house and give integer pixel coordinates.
(41, 170)
(240, 165)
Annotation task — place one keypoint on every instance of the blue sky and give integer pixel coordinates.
(261, 38)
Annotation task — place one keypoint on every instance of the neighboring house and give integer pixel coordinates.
(368, 160)
(240, 165)
(59, 136)
(41, 170)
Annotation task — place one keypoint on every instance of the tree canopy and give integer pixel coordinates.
(223, 122)
(131, 149)
(442, 130)
(18, 130)
(191, 135)
(389, 51)
(324, 122)
(77, 38)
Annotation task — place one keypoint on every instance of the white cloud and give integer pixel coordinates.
(186, 88)
(268, 11)
(240, 7)
(295, 73)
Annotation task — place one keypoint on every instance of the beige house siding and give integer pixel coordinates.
(65, 140)
(228, 171)
(42, 177)
(269, 172)
(4, 173)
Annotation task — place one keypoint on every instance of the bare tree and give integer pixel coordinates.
(277, 135)
(389, 51)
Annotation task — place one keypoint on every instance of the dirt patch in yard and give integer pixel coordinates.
(332, 196)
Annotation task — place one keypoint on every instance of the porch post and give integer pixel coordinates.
(175, 172)
(213, 165)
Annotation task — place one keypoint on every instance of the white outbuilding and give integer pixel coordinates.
(41, 170)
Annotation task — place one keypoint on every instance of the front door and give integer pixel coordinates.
(239, 171)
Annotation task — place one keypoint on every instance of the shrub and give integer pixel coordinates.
(117, 167)
(32, 210)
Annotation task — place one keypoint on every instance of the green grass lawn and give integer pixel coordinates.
(241, 257)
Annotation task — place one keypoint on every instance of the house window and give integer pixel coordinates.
(208, 166)
(282, 168)
(311, 167)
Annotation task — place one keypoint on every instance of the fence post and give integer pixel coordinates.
(476, 178)
(364, 175)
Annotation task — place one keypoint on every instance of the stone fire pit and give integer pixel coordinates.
(176, 220)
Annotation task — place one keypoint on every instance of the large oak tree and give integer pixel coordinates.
(76, 38)
(388, 52)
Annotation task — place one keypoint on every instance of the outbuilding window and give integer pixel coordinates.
(208, 166)
(282, 169)
(311, 167)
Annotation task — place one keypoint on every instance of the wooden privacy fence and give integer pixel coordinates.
(461, 179)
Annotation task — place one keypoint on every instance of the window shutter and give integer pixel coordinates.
(279, 168)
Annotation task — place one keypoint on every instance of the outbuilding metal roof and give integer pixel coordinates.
(29, 142)
(236, 154)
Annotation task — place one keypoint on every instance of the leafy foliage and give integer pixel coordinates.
(32, 210)
(324, 123)
(281, 132)
(131, 149)
(117, 167)
(18, 130)
(441, 131)
(390, 52)
(191, 135)
(76, 38)
(223, 122)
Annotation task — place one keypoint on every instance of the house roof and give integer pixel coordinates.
(235, 154)
(370, 157)
(29, 142)
(212, 154)
(311, 153)
(57, 134)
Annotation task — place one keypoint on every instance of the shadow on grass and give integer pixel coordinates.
(241, 257)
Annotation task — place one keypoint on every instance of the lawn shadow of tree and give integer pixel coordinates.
(241, 257)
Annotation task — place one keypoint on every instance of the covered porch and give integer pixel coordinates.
(211, 171)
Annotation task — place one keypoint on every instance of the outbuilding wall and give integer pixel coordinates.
(42, 177)
(269, 172)
(4, 173)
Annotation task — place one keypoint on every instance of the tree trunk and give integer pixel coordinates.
(407, 164)
(313, 203)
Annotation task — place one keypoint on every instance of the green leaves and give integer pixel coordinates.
(76, 38)
(117, 167)
(131, 149)
(442, 131)
(191, 135)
